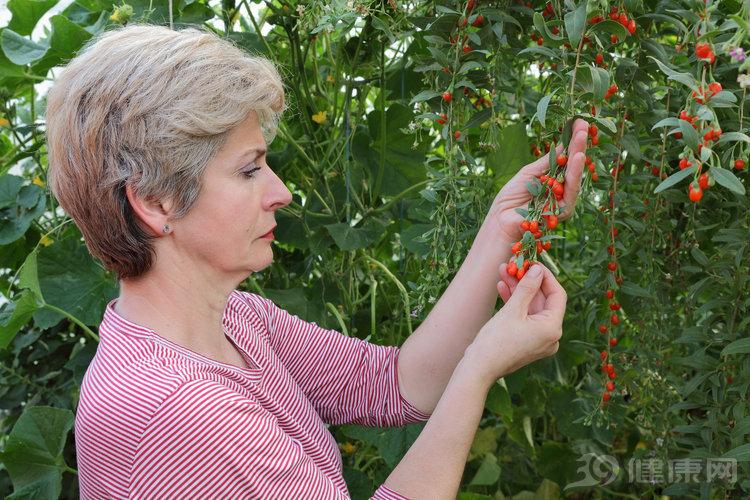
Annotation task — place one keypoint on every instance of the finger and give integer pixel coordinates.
(527, 288)
(556, 297)
(573, 176)
(537, 303)
(580, 125)
(503, 291)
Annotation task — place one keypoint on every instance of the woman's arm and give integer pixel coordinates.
(434, 465)
(512, 338)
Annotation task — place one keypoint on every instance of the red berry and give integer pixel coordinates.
(552, 222)
(614, 319)
(603, 355)
(613, 342)
(715, 87)
(447, 96)
(606, 396)
(612, 266)
(562, 160)
(631, 27)
(602, 329)
(521, 272)
(534, 226)
(695, 194)
(613, 38)
(462, 22)
(517, 246)
(739, 164)
(610, 386)
(512, 268)
(609, 293)
(457, 134)
(599, 59)
(478, 21)
(615, 306)
(703, 181)
(612, 375)
(703, 50)
(525, 225)
(467, 49)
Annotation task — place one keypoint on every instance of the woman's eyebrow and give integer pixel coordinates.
(253, 152)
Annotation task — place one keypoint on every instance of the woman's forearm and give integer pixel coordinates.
(434, 465)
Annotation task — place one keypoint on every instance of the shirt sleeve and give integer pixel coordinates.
(347, 380)
(207, 440)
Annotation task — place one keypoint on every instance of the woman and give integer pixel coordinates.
(156, 142)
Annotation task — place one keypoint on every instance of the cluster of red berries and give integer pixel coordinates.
(476, 21)
(538, 39)
(622, 18)
(612, 90)
(614, 306)
(538, 152)
(704, 95)
(522, 253)
(548, 10)
(592, 168)
(704, 52)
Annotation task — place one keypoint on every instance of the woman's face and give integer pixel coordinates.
(235, 207)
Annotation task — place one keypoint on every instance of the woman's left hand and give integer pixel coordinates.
(503, 216)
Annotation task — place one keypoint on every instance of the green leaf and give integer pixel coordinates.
(674, 179)
(390, 157)
(741, 346)
(28, 276)
(630, 288)
(21, 205)
(350, 238)
(391, 442)
(689, 135)
(684, 78)
(575, 23)
(15, 315)
(727, 179)
(26, 13)
(611, 28)
(723, 99)
(607, 123)
(667, 122)
(733, 137)
(741, 453)
(488, 473)
(20, 50)
(541, 108)
(511, 153)
(33, 454)
(498, 401)
(425, 95)
(71, 280)
(541, 27)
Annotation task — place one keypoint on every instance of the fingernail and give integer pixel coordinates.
(535, 271)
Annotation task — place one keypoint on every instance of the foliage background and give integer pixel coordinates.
(386, 203)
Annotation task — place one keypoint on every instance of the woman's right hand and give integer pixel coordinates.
(519, 334)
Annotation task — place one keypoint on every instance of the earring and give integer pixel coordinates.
(166, 228)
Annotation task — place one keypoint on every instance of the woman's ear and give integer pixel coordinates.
(153, 213)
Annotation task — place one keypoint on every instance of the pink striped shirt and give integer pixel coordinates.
(156, 420)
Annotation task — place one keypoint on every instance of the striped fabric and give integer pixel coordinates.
(156, 420)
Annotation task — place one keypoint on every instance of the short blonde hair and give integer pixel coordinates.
(150, 106)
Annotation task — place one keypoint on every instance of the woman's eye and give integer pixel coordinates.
(249, 173)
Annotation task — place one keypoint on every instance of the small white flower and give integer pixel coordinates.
(300, 9)
(743, 80)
